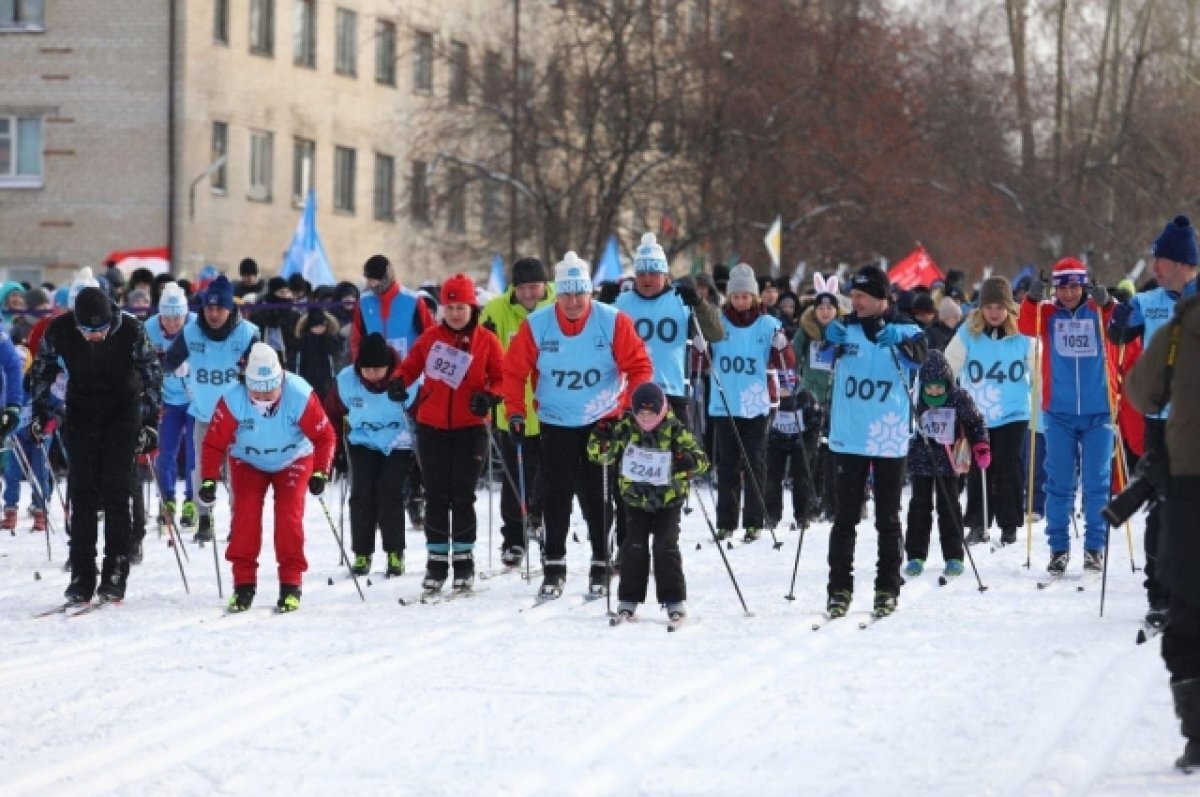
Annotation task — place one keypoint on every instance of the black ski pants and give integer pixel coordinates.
(1005, 481)
(852, 472)
(565, 467)
(1156, 593)
(512, 533)
(737, 474)
(376, 499)
(669, 584)
(925, 491)
(101, 451)
(451, 461)
(791, 460)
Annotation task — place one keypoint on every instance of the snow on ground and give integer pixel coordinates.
(1013, 691)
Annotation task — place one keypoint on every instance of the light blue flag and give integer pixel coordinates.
(608, 269)
(497, 282)
(306, 255)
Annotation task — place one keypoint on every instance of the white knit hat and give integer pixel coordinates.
(949, 311)
(83, 279)
(742, 280)
(263, 372)
(572, 275)
(173, 302)
(649, 257)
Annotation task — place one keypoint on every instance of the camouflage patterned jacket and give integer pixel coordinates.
(665, 484)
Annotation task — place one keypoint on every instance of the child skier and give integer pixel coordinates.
(658, 457)
(945, 413)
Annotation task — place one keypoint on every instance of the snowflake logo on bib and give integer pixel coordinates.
(755, 400)
(888, 436)
(601, 404)
(987, 399)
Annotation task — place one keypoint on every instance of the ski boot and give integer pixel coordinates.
(1093, 561)
(1008, 536)
(598, 578)
(416, 513)
(553, 579)
(137, 552)
(954, 568)
(436, 570)
(82, 586)
(914, 568)
(724, 534)
(1156, 617)
(241, 599)
(513, 556)
(289, 598)
(976, 535)
(39, 520)
(537, 531)
(9, 523)
(464, 571)
(113, 575)
(1058, 562)
(626, 610)
(885, 604)
(205, 532)
(166, 516)
(188, 518)
(838, 604)
(362, 564)
(395, 564)
(752, 535)
(1187, 708)
(676, 611)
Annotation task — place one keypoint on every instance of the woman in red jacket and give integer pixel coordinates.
(461, 363)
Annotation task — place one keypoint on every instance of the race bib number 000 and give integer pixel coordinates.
(646, 466)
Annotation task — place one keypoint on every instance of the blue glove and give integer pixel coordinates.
(890, 335)
(1122, 315)
(835, 332)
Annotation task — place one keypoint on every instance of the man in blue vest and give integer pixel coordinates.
(870, 429)
(1175, 261)
(389, 309)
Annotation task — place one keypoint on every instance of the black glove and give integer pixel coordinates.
(42, 428)
(207, 494)
(316, 482)
(1037, 290)
(481, 403)
(516, 428)
(147, 440)
(604, 430)
(397, 391)
(687, 295)
(685, 461)
(1099, 295)
(9, 420)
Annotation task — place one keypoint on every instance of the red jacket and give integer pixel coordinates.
(424, 317)
(223, 428)
(520, 363)
(439, 405)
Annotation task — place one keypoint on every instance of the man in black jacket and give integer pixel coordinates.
(113, 398)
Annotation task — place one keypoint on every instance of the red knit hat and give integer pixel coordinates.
(459, 289)
(1070, 271)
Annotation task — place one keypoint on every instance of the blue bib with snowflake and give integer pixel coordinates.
(740, 363)
(214, 365)
(578, 381)
(996, 374)
(373, 420)
(270, 443)
(662, 323)
(870, 401)
(1152, 310)
(174, 388)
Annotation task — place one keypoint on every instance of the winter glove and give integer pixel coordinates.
(700, 345)
(1122, 314)
(1037, 290)
(779, 342)
(480, 404)
(1100, 295)
(316, 482)
(207, 494)
(687, 295)
(983, 455)
(603, 431)
(890, 335)
(147, 440)
(516, 428)
(489, 325)
(9, 420)
(835, 332)
(182, 371)
(397, 391)
(42, 429)
(685, 461)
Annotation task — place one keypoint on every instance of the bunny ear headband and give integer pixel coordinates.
(823, 285)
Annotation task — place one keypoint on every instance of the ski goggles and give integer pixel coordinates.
(1070, 279)
(93, 330)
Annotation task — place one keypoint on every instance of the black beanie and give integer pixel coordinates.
(872, 281)
(527, 270)
(376, 267)
(248, 268)
(92, 308)
(316, 318)
(374, 352)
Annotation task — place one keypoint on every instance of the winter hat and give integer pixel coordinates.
(742, 280)
(1069, 271)
(648, 397)
(1177, 242)
(528, 270)
(827, 289)
(263, 372)
(871, 280)
(61, 296)
(219, 293)
(248, 268)
(275, 285)
(459, 289)
(649, 257)
(138, 295)
(949, 312)
(996, 290)
(922, 303)
(83, 279)
(92, 308)
(173, 303)
(299, 285)
(376, 267)
(316, 318)
(572, 275)
(720, 276)
(767, 282)
(374, 352)
(36, 297)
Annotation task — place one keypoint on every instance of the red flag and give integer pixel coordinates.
(916, 269)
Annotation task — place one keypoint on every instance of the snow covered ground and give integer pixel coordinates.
(1013, 691)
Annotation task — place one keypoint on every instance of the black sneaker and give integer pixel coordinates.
(838, 604)
(1008, 536)
(113, 576)
(289, 598)
(885, 604)
(204, 533)
(1093, 561)
(82, 586)
(976, 535)
(241, 599)
(1058, 562)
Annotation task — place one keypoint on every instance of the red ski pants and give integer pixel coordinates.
(249, 494)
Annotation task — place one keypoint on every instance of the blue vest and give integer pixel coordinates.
(213, 364)
(578, 380)
(375, 421)
(401, 328)
(872, 407)
(997, 376)
(174, 388)
(1152, 310)
(270, 443)
(740, 363)
(662, 323)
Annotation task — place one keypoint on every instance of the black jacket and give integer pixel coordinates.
(932, 459)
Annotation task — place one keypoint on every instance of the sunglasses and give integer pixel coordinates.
(93, 330)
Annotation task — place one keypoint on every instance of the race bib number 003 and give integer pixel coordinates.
(447, 364)
(938, 425)
(646, 466)
(1075, 337)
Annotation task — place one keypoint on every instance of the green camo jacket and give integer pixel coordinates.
(672, 436)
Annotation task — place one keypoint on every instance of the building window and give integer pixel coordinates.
(21, 152)
(262, 147)
(220, 149)
(343, 179)
(423, 62)
(221, 21)
(385, 53)
(304, 155)
(492, 76)
(347, 43)
(490, 208)
(460, 72)
(385, 188)
(305, 33)
(456, 199)
(419, 192)
(22, 15)
(262, 27)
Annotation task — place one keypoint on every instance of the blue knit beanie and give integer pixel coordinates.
(1177, 242)
(219, 293)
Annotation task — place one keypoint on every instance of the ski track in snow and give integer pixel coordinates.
(1013, 691)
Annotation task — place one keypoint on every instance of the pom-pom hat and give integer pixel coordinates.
(649, 257)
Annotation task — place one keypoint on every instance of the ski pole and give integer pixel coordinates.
(724, 558)
(173, 533)
(27, 469)
(524, 504)
(1035, 409)
(810, 494)
(987, 519)
(490, 476)
(1104, 574)
(333, 530)
(604, 524)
